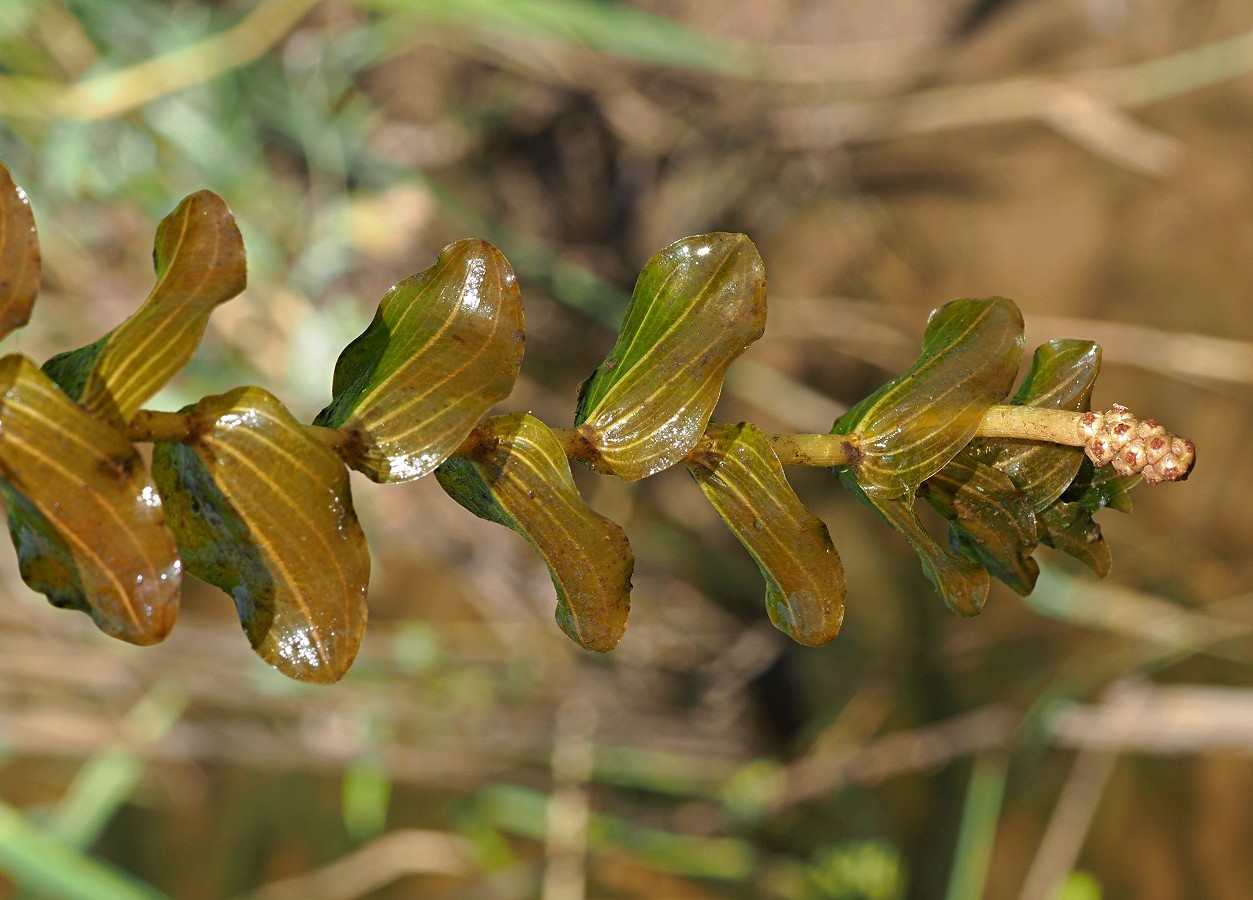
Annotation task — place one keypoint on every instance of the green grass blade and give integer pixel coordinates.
(40, 862)
(613, 28)
(107, 779)
(365, 796)
(977, 831)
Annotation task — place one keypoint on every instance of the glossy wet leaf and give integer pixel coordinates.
(199, 259)
(990, 519)
(1061, 377)
(697, 305)
(1070, 528)
(519, 477)
(19, 255)
(961, 582)
(1095, 488)
(444, 347)
(86, 519)
(909, 428)
(739, 473)
(264, 511)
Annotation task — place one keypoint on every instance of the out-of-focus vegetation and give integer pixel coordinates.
(1089, 159)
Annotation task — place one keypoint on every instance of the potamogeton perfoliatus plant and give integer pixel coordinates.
(245, 497)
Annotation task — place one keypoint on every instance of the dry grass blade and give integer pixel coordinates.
(393, 856)
(115, 93)
(1068, 828)
(896, 753)
(1165, 720)
(1086, 107)
(1184, 355)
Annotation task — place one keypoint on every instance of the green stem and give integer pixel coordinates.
(804, 450)
(152, 427)
(814, 450)
(1057, 426)
(826, 450)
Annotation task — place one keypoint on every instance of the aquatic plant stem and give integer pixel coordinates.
(153, 427)
(1021, 422)
(804, 450)
(826, 450)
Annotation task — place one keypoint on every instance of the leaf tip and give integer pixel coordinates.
(808, 619)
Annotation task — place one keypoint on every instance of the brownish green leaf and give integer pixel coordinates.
(199, 258)
(1069, 527)
(86, 519)
(909, 428)
(518, 476)
(961, 582)
(19, 255)
(697, 305)
(738, 471)
(990, 519)
(264, 511)
(1061, 377)
(445, 346)
(1098, 487)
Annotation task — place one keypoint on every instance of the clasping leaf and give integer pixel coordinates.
(741, 476)
(1061, 377)
(1068, 525)
(909, 428)
(990, 520)
(518, 476)
(961, 582)
(85, 516)
(1070, 528)
(697, 305)
(444, 347)
(199, 257)
(19, 255)
(997, 493)
(264, 511)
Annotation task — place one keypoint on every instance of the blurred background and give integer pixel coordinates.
(1088, 158)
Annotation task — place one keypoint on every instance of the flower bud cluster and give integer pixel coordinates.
(1133, 447)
